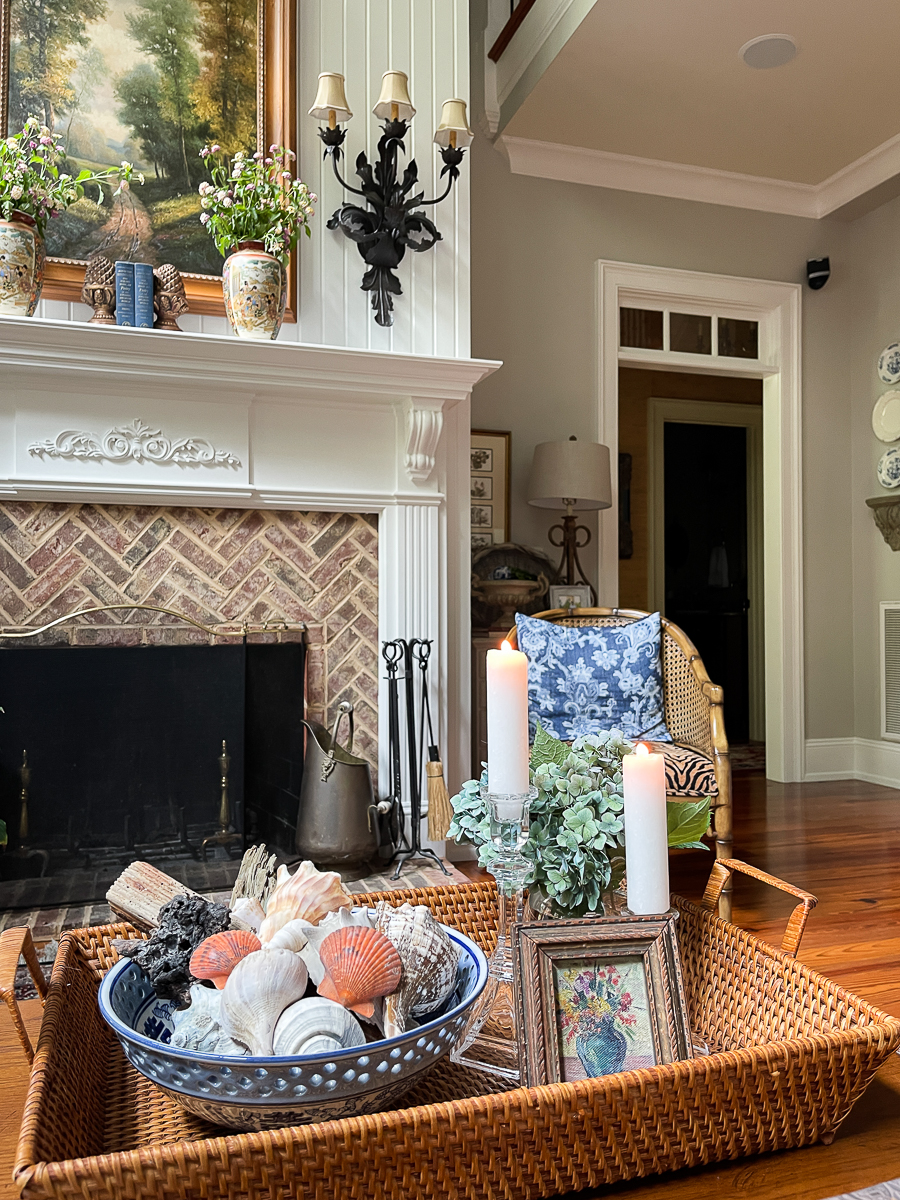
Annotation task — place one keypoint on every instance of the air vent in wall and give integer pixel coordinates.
(890, 670)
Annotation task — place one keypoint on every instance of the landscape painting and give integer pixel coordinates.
(148, 81)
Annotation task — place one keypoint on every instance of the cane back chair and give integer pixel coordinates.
(697, 762)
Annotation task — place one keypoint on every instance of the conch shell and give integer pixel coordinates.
(257, 992)
(199, 1028)
(429, 958)
(316, 1026)
(360, 966)
(247, 913)
(308, 893)
(217, 956)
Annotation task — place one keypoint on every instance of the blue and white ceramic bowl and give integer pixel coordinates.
(267, 1093)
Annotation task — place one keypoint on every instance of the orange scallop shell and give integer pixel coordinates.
(360, 965)
(217, 957)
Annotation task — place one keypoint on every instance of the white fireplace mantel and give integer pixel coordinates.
(93, 414)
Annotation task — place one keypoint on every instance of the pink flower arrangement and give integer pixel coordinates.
(596, 996)
(32, 183)
(255, 198)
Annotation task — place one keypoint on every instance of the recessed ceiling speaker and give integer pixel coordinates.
(769, 50)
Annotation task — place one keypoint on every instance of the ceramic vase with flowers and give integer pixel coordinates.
(255, 209)
(33, 189)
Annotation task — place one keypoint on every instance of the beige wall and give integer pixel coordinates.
(875, 248)
(534, 247)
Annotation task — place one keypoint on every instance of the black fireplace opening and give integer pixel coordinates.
(110, 754)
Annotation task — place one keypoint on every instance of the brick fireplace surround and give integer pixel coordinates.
(221, 567)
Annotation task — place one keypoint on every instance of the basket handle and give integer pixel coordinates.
(720, 875)
(14, 943)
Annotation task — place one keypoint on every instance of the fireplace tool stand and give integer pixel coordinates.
(394, 652)
(226, 834)
(23, 850)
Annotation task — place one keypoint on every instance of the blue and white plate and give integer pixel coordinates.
(889, 363)
(889, 468)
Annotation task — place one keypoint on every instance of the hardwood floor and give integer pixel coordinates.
(840, 841)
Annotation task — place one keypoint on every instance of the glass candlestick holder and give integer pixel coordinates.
(489, 1041)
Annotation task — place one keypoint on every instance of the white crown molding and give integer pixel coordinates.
(683, 181)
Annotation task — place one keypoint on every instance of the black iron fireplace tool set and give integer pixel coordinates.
(402, 657)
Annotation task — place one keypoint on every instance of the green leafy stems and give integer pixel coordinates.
(577, 835)
(255, 199)
(32, 180)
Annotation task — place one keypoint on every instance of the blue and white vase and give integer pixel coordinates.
(254, 284)
(22, 258)
(603, 1052)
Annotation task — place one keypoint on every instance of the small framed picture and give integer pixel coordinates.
(489, 462)
(598, 996)
(570, 595)
(480, 540)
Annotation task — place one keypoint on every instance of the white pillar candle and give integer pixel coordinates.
(646, 835)
(507, 721)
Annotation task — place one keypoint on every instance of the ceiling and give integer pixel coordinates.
(662, 80)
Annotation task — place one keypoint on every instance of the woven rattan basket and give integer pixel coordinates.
(793, 1053)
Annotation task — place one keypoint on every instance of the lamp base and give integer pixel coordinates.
(569, 562)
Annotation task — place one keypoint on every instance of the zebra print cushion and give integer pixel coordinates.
(688, 773)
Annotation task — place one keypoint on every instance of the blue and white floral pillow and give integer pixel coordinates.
(584, 679)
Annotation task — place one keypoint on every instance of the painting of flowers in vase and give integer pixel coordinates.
(603, 1018)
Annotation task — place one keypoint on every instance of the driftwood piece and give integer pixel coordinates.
(140, 892)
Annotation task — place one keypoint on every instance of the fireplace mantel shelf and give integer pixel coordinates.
(184, 359)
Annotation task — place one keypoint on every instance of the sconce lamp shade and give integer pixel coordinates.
(576, 472)
(394, 91)
(454, 120)
(330, 98)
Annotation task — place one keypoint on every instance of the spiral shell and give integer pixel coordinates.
(198, 1027)
(316, 1026)
(308, 894)
(257, 992)
(217, 956)
(429, 960)
(360, 965)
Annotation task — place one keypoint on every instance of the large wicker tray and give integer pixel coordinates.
(793, 1053)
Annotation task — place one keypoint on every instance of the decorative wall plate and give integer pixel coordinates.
(889, 468)
(889, 363)
(886, 416)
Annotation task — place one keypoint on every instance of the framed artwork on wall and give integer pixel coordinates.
(598, 996)
(489, 455)
(151, 82)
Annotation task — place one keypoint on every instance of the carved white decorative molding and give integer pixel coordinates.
(424, 427)
(136, 441)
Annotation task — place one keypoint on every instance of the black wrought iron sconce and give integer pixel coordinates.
(394, 221)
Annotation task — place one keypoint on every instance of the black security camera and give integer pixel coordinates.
(817, 272)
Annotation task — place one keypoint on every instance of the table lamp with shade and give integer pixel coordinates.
(573, 476)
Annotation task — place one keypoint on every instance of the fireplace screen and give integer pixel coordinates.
(125, 760)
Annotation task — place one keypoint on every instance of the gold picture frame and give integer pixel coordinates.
(489, 487)
(276, 122)
(597, 996)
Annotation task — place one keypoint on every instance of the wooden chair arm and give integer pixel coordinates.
(16, 943)
(720, 875)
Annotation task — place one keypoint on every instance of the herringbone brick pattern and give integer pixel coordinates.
(220, 566)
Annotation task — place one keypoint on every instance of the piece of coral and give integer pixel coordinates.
(184, 923)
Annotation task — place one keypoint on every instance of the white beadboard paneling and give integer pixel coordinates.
(362, 39)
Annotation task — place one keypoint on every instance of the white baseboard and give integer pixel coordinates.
(868, 759)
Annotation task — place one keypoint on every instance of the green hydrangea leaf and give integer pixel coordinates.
(687, 821)
(547, 749)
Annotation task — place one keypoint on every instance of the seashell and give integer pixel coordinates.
(247, 913)
(344, 918)
(316, 1026)
(217, 956)
(199, 1028)
(291, 936)
(308, 893)
(429, 958)
(360, 966)
(257, 992)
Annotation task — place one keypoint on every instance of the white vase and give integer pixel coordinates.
(254, 284)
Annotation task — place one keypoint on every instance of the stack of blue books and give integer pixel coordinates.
(134, 295)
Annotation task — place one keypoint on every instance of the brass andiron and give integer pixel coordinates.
(23, 850)
(226, 835)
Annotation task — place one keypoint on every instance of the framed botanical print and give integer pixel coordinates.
(598, 996)
(151, 82)
(489, 477)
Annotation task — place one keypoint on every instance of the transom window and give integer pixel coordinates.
(688, 333)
